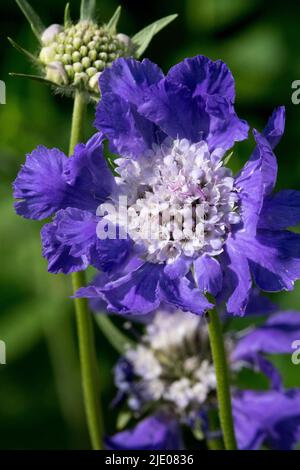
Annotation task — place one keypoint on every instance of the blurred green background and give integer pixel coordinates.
(40, 396)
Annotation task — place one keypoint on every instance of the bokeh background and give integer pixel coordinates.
(40, 396)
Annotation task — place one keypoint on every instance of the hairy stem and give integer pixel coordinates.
(223, 387)
(87, 352)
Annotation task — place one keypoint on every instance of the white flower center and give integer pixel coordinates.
(171, 366)
(181, 200)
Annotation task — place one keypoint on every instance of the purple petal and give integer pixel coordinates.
(172, 107)
(225, 126)
(259, 304)
(129, 78)
(153, 433)
(214, 81)
(195, 101)
(178, 268)
(208, 274)
(113, 254)
(275, 336)
(89, 178)
(135, 293)
(255, 181)
(69, 241)
(267, 417)
(203, 76)
(40, 184)
(281, 210)
(123, 86)
(275, 127)
(237, 278)
(182, 294)
(49, 181)
(274, 258)
(129, 133)
(141, 291)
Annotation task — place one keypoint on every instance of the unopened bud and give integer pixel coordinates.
(77, 54)
(80, 78)
(126, 41)
(94, 82)
(50, 33)
(56, 73)
(47, 54)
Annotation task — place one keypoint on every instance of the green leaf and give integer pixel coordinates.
(88, 9)
(116, 338)
(67, 16)
(143, 38)
(27, 54)
(113, 22)
(34, 20)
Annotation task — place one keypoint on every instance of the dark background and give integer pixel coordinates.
(40, 397)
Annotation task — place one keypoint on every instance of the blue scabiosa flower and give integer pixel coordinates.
(210, 232)
(170, 374)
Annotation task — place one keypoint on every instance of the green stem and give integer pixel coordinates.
(87, 352)
(214, 443)
(223, 387)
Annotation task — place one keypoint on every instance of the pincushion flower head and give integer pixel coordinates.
(73, 55)
(167, 383)
(213, 232)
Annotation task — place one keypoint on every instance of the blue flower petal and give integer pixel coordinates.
(267, 417)
(123, 87)
(49, 181)
(153, 433)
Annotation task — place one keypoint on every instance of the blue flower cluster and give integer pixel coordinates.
(212, 232)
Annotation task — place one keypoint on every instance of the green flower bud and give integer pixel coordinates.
(76, 56)
(94, 83)
(80, 79)
(47, 54)
(67, 59)
(125, 42)
(69, 49)
(70, 71)
(83, 51)
(78, 68)
(87, 38)
(91, 71)
(77, 43)
(100, 65)
(56, 73)
(60, 49)
(103, 56)
(92, 45)
(92, 55)
(86, 63)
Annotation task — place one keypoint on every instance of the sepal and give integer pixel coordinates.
(113, 22)
(88, 10)
(142, 39)
(33, 18)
